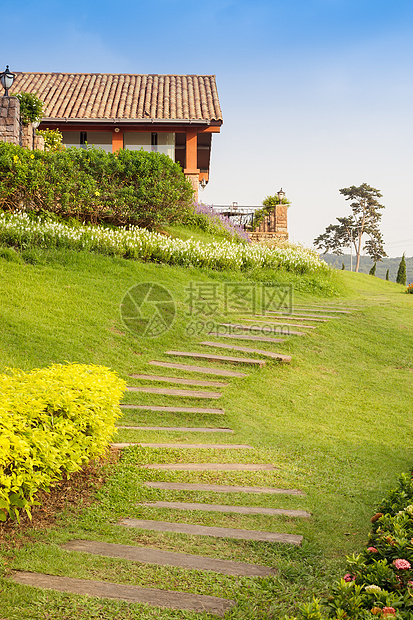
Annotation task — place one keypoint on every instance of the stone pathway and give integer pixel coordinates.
(168, 558)
(211, 466)
(202, 369)
(217, 358)
(299, 317)
(276, 356)
(278, 323)
(173, 409)
(131, 594)
(246, 337)
(325, 309)
(181, 381)
(174, 599)
(181, 429)
(263, 329)
(168, 392)
(242, 510)
(187, 446)
(219, 488)
(217, 532)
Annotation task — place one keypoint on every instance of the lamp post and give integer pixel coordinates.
(7, 79)
(280, 195)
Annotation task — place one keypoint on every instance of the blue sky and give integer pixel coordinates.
(316, 94)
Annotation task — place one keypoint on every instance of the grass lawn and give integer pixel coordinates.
(336, 422)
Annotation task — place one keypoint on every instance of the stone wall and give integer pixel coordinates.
(10, 120)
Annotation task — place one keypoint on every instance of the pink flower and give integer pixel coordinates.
(410, 584)
(347, 577)
(372, 549)
(388, 611)
(401, 564)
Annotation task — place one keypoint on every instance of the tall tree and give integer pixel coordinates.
(350, 230)
(401, 272)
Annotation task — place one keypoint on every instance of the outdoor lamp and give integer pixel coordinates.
(203, 183)
(7, 79)
(280, 195)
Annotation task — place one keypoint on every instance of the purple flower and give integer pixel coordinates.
(221, 220)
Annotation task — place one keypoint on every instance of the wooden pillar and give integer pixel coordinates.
(117, 140)
(191, 170)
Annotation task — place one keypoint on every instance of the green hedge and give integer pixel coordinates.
(128, 187)
(52, 421)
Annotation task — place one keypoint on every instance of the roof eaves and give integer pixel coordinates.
(166, 121)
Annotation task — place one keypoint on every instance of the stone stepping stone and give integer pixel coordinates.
(181, 381)
(241, 510)
(323, 309)
(189, 446)
(186, 393)
(219, 488)
(211, 466)
(183, 429)
(123, 592)
(259, 329)
(216, 532)
(247, 337)
(299, 317)
(201, 369)
(219, 358)
(286, 359)
(281, 323)
(168, 558)
(174, 409)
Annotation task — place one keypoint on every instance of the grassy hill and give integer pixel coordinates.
(336, 421)
(366, 263)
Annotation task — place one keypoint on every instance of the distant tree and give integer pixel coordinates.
(387, 275)
(364, 220)
(401, 272)
(343, 267)
(372, 271)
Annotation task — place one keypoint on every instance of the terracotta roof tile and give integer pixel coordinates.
(126, 96)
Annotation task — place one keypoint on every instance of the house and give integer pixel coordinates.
(172, 114)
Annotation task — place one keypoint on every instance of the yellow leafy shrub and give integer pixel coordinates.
(52, 421)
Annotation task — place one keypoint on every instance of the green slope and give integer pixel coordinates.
(337, 421)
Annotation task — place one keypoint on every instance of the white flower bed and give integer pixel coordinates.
(132, 242)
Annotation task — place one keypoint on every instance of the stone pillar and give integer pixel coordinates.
(193, 178)
(10, 120)
(281, 227)
(30, 140)
(38, 143)
(27, 136)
